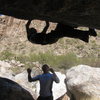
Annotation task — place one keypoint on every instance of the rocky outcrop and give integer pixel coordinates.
(59, 89)
(9, 90)
(83, 82)
(73, 12)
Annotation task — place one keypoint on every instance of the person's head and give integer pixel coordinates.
(33, 30)
(45, 68)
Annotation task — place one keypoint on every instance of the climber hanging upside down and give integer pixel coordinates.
(60, 31)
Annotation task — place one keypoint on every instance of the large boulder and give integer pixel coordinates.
(9, 90)
(73, 12)
(5, 70)
(22, 78)
(59, 89)
(83, 82)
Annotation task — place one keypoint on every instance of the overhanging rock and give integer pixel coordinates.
(72, 12)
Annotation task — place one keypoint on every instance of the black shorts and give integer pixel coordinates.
(45, 98)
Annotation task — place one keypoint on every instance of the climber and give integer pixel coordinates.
(60, 31)
(46, 81)
(34, 37)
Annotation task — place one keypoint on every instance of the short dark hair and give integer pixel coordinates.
(33, 30)
(45, 66)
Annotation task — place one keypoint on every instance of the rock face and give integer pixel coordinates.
(59, 89)
(9, 90)
(73, 12)
(84, 82)
(22, 78)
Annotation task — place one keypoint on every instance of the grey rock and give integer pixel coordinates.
(84, 82)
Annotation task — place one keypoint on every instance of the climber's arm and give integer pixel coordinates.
(45, 28)
(27, 25)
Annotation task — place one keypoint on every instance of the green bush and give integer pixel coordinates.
(91, 61)
(62, 61)
(6, 55)
(57, 62)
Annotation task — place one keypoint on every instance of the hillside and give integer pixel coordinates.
(13, 39)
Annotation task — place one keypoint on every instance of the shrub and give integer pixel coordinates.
(6, 55)
(57, 62)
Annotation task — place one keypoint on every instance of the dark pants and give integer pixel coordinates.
(45, 98)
